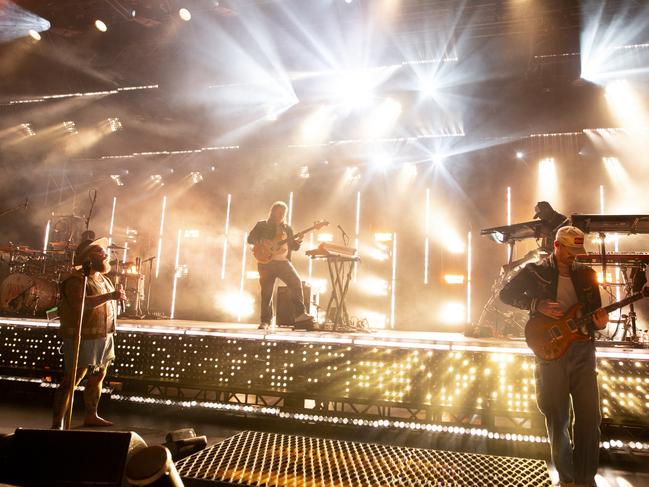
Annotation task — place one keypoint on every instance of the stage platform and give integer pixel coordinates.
(442, 383)
(425, 340)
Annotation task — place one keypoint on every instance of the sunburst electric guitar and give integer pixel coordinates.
(266, 249)
(549, 339)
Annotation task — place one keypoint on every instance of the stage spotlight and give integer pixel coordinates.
(454, 278)
(437, 160)
(185, 14)
(452, 241)
(115, 124)
(197, 177)
(519, 154)
(133, 13)
(428, 87)
(452, 313)
(70, 127)
(117, 179)
(383, 237)
(34, 35)
(352, 174)
(381, 162)
(238, 304)
(325, 237)
(27, 130)
(354, 89)
(304, 172)
(101, 26)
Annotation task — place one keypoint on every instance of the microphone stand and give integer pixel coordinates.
(148, 290)
(345, 236)
(69, 397)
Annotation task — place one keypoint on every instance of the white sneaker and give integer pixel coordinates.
(304, 317)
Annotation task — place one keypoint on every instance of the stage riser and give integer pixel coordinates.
(477, 388)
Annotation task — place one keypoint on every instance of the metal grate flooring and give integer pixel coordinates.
(268, 459)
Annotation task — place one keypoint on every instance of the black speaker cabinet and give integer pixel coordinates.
(285, 311)
(66, 458)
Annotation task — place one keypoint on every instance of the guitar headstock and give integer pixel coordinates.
(319, 224)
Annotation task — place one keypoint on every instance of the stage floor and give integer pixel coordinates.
(426, 340)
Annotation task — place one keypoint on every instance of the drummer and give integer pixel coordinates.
(97, 348)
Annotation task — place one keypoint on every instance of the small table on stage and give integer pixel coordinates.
(340, 273)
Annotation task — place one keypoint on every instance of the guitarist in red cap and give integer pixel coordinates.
(550, 288)
(277, 264)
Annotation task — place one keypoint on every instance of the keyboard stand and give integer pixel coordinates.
(340, 274)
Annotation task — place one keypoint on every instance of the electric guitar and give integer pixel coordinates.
(266, 249)
(549, 339)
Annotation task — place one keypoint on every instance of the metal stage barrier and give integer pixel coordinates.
(407, 381)
(252, 458)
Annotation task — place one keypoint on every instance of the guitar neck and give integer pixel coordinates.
(295, 235)
(612, 307)
(624, 302)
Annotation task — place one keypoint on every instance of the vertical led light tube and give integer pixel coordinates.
(47, 236)
(125, 252)
(426, 236)
(225, 240)
(616, 243)
(469, 272)
(601, 199)
(290, 207)
(311, 245)
(244, 248)
(394, 281)
(162, 226)
(175, 283)
(509, 219)
(357, 232)
(112, 223)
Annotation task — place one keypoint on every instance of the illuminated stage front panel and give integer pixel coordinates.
(484, 386)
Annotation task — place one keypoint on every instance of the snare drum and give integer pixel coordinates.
(28, 295)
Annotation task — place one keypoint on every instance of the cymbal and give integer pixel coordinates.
(116, 247)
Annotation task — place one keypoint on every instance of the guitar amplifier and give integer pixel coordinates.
(285, 310)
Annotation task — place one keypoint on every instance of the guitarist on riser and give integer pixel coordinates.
(273, 229)
(551, 287)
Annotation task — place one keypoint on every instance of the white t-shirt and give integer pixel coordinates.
(566, 295)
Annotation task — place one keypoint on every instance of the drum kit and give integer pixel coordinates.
(31, 281)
